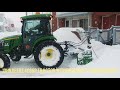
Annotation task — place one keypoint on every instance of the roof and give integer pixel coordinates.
(37, 16)
(70, 14)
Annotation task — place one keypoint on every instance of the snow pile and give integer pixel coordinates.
(65, 34)
(97, 45)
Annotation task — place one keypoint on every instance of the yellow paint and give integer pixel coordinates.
(11, 38)
(49, 51)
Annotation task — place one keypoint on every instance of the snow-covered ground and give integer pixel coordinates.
(105, 65)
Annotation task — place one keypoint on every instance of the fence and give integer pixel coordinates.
(106, 36)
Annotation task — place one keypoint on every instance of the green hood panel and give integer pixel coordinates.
(11, 42)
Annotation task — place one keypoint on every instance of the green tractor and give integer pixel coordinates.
(36, 39)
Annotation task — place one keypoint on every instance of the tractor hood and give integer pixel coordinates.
(10, 42)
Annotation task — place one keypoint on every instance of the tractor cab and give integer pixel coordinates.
(35, 27)
(36, 24)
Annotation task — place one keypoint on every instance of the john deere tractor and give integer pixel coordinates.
(36, 39)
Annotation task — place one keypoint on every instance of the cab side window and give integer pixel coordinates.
(31, 24)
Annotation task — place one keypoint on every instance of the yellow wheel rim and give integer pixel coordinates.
(49, 53)
(49, 56)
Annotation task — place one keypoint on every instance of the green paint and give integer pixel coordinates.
(37, 16)
(41, 39)
(11, 42)
(85, 59)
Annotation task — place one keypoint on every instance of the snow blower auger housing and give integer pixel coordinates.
(36, 39)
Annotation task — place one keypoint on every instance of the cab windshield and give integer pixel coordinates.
(38, 26)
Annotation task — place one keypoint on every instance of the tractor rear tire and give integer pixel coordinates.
(49, 54)
(4, 62)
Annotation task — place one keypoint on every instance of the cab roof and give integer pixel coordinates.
(37, 16)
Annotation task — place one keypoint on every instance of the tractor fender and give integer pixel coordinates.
(42, 39)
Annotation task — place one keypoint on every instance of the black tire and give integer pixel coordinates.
(15, 58)
(6, 61)
(45, 44)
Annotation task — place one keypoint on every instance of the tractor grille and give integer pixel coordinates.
(1, 47)
(1, 44)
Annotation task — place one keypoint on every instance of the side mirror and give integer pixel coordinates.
(21, 21)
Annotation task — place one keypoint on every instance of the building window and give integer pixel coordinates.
(74, 23)
(83, 23)
(67, 23)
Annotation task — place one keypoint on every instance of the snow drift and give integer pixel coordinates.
(66, 34)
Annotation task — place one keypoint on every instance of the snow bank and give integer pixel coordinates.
(97, 45)
(65, 34)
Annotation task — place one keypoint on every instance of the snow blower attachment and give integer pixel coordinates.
(84, 56)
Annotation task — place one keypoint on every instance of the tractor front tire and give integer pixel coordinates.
(15, 56)
(4, 62)
(49, 54)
